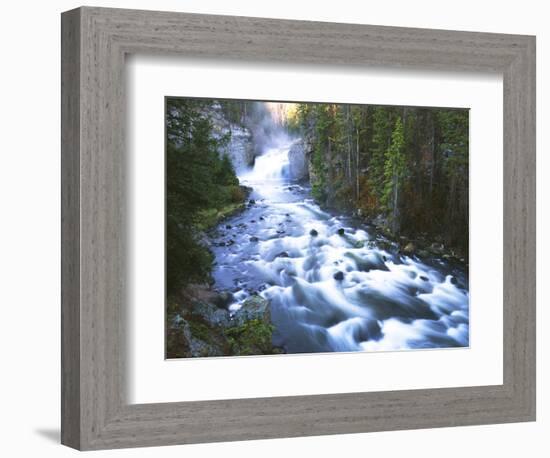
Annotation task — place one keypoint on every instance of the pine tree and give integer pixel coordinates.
(394, 173)
(381, 138)
(197, 179)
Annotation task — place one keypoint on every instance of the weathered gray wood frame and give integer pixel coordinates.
(95, 413)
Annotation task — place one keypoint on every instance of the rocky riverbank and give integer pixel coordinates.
(420, 245)
(200, 325)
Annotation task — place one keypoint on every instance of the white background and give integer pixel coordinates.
(155, 380)
(29, 233)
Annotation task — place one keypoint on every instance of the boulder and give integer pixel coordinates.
(409, 248)
(223, 299)
(209, 313)
(253, 308)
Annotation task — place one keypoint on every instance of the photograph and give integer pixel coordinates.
(305, 227)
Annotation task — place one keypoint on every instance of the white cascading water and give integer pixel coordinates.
(330, 284)
(271, 166)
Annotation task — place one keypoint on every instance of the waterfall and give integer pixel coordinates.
(271, 166)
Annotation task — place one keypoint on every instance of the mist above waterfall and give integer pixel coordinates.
(267, 123)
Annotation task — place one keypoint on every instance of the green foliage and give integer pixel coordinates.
(226, 173)
(253, 337)
(381, 139)
(394, 173)
(197, 181)
(394, 165)
(408, 165)
(322, 122)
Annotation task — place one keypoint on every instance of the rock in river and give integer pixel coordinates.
(409, 248)
(254, 308)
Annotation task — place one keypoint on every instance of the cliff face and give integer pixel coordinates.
(240, 147)
(298, 162)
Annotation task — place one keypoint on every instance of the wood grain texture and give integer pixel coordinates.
(70, 229)
(96, 413)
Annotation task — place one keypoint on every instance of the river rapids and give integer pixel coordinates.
(331, 283)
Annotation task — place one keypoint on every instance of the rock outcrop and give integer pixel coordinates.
(298, 163)
(198, 326)
(240, 147)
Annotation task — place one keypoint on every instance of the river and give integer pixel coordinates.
(331, 285)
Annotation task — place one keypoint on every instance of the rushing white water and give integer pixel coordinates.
(331, 285)
(272, 166)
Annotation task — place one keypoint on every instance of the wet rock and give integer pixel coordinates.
(251, 332)
(254, 239)
(261, 218)
(339, 276)
(341, 232)
(313, 233)
(411, 273)
(454, 281)
(252, 202)
(373, 330)
(223, 299)
(422, 253)
(252, 220)
(282, 254)
(409, 248)
(200, 341)
(423, 278)
(253, 308)
(298, 164)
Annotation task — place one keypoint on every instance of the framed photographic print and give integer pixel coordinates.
(282, 228)
(303, 209)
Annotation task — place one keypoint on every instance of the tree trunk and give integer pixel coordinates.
(395, 218)
(348, 134)
(432, 156)
(357, 167)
